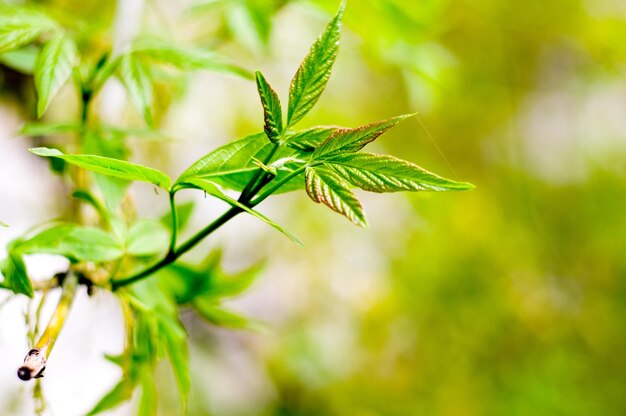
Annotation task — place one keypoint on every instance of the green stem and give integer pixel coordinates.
(174, 223)
(252, 186)
(269, 191)
(257, 182)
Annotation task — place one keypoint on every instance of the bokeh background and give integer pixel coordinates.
(506, 300)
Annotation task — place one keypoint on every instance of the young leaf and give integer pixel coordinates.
(74, 242)
(15, 35)
(136, 79)
(213, 313)
(378, 173)
(183, 211)
(121, 392)
(186, 58)
(14, 272)
(53, 67)
(353, 140)
(272, 113)
(314, 72)
(110, 167)
(325, 186)
(309, 139)
(233, 166)
(48, 129)
(147, 238)
(212, 189)
(175, 339)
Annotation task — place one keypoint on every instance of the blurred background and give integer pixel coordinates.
(506, 300)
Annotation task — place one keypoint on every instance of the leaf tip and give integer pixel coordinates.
(45, 151)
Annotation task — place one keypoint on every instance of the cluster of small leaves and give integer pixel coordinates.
(325, 161)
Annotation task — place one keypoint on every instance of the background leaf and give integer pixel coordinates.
(147, 238)
(74, 242)
(54, 66)
(325, 186)
(136, 79)
(110, 167)
(314, 72)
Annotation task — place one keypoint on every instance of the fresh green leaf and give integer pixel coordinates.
(183, 214)
(353, 140)
(212, 189)
(15, 35)
(147, 238)
(138, 84)
(110, 167)
(309, 139)
(22, 60)
(382, 173)
(325, 186)
(54, 66)
(272, 112)
(233, 166)
(314, 72)
(90, 199)
(49, 129)
(148, 402)
(175, 339)
(14, 271)
(120, 393)
(186, 58)
(215, 314)
(3, 224)
(249, 21)
(74, 242)
(104, 72)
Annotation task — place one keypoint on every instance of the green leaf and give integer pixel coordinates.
(147, 238)
(212, 189)
(14, 272)
(138, 84)
(49, 129)
(382, 173)
(213, 313)
(309, 139)
(3, 224)
(54, 66)
(121, 392)
(90, 199)
(272, 112)
(175, 338)
(74, 242)
(110, 167)
(353, 140)
(233, 165)
(325, 186)
(22, 60)
(183, 214)
(186, 58)
(16, 35)
(314, 72)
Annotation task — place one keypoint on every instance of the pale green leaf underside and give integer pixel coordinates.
(325, 186)
(53, 67)
(353, 140)
(232, 165)
(272, 112)
(213, 190)
(74, 242)
(382, 173)
(110, 167)
(22, 60)
(314, 72)
(138, 84)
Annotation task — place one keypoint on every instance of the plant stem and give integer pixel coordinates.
(35, 361)
(254, 186)
(174, 235)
